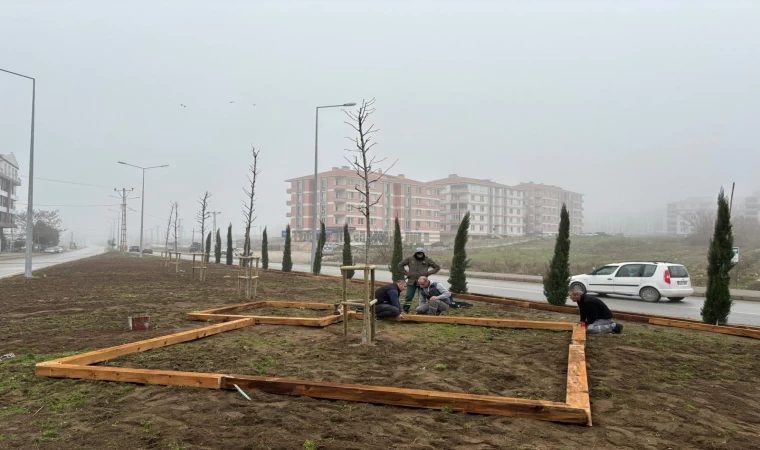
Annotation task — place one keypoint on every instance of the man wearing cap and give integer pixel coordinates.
(416, 266)
(596, 317)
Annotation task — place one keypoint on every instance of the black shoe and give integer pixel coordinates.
(618, 328)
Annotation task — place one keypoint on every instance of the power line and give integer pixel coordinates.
(70, 206)
(70, 182)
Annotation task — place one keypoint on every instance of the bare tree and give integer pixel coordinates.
(169, 225)
(176, 225)
(201, 217)
(365, 164)
(701, 226)
(248, 204)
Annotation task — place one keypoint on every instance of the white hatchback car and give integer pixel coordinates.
(648, 280)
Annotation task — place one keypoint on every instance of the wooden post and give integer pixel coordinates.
(345, 307)
(371, 291)
(365, 310)
(256, 280)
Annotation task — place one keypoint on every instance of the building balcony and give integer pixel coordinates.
(288, 191)
(340, 200)
(289, 203)
(288, 214)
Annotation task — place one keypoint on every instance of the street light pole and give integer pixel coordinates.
(316, 180)
(29, 206)
(142, 207)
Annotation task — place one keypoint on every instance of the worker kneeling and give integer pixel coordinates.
(596, 317)
(388, 304)
(434, 297)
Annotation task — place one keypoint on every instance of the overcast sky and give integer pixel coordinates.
(631, 103)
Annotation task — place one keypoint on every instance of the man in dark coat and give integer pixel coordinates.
(596, 317)
(416, 266)
(388, 300)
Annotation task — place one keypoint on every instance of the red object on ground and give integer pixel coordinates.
(139, 323)
(583, 324)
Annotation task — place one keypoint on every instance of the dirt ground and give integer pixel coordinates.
(651, 387)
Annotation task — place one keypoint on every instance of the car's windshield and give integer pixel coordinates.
(606, 270)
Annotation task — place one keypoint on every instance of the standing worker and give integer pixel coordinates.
(418, 265)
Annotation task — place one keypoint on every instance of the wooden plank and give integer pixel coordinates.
(329, 320)
(577, 380)
(482, 404)
(579, 334)
(233, 308)
(123, 374)
(723, 329)
(258, 320)
(303, 305)
(370, 267)
(140, 346)
(488, 322)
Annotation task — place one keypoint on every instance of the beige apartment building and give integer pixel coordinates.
(496, 210)
(9, 181)
(415, 203)
(543, 205)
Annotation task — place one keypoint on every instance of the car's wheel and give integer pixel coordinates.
(650, 294)
(675, 299)
(578, 286)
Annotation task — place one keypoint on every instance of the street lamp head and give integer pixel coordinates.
(349, 104)
(121, 162)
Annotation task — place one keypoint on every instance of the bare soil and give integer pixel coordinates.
(651, 387)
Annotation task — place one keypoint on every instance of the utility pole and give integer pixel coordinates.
(192, 240)
(214, 213)
(123, 235)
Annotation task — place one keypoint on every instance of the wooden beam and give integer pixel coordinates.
(232, 308)
(140, 346)
(329, 320)
(370, 267)
(481, 404)
(723, 329)
(487, 322)
(577, 381)
(258, 320)
(579, 334)
(123, 374)
(304, 305)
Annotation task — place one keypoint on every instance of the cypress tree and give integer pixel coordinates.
(557, 279)
(320, 248)
(264, 251)
(218, 247)
(397, 254)
(717, 304)
(348, 259)
(229, 245)
(208, 246)
(287, 262)
(459, 263)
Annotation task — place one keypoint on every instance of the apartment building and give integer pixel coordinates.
(543, 205)
(9, 181)
(752, 206)
(496, 210)
(415, 203)
(679, 214)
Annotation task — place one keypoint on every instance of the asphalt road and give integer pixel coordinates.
(15, 265)
(742, 312)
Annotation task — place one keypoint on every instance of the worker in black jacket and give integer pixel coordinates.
(596, 317)
(388, 304)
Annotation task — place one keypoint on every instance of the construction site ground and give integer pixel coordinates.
(651, 387)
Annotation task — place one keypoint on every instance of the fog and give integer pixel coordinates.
(633, 104)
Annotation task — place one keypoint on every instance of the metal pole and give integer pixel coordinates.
(29, 207)
(142, 214)
(314, 193)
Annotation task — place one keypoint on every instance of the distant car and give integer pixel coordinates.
(195, 247)
(648, 280)
(328, 250)
(439, 244)
(134, 249)
(49, 250)
(59, 249)
(147, 251)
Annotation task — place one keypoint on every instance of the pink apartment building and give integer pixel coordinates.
(543, 205)
(415, 203)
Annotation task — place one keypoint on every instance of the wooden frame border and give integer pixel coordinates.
(576, 408)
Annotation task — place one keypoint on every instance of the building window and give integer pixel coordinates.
(408, 224)
(350, 220)
(361, 220)
(418, 212)
(436, 214)
(429, 191)
(427, 224)
(418, 201)
(428, 213)
(419, 190)
(430, 202)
